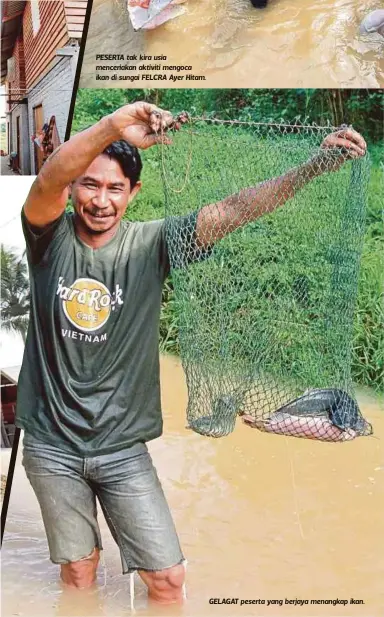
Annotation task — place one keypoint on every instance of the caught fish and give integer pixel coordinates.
(298, 426)
(149, 14)
(222, 420)
(326, 415)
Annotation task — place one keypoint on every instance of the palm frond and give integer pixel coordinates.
(15, 292)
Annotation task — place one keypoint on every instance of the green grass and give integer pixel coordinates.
(368, 344)
(311, 337)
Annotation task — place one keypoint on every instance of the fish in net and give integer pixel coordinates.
(327, 415)
(265, 309)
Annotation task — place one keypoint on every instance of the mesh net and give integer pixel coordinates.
(265, 311)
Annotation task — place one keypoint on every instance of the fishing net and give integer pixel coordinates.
(265, 313)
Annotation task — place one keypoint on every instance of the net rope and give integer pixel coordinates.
(265, 307)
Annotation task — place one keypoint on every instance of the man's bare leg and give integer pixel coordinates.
(81, 574)
(165, 586)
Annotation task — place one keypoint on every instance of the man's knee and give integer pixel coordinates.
(165, 586)
(82, 573)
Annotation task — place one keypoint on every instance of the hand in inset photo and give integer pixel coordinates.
(373, 22)
(150, 14)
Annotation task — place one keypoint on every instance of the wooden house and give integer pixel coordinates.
(40, 42)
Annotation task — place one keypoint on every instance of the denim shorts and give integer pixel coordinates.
(128, 491)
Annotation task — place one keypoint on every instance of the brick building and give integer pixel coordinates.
(40, 43)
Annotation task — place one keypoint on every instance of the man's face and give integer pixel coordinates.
(101, 194)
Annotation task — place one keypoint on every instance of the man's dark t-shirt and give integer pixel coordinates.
(89, 381)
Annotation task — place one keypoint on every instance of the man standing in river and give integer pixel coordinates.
(89, 392)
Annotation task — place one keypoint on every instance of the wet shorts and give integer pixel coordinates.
(130, 495)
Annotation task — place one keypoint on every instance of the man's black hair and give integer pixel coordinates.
(128, 158)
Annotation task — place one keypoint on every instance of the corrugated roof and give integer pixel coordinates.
(11, 17)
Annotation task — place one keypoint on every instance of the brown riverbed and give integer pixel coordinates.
(292, 43)
(259, 517)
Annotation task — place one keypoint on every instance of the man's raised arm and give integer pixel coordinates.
(140, 124)
(215, 221)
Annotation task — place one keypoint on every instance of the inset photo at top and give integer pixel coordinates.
(239, 43)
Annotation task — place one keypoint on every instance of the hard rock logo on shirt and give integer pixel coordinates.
(87, 304)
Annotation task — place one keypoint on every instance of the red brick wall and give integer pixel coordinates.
(16, 88)
(52, 34)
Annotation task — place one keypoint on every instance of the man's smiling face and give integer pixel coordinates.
(101, 195)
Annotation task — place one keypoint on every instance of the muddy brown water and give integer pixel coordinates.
(292, 43)
(260, 517)
(109, 32)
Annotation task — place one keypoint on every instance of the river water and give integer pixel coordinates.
(260, 517)
(291, 44)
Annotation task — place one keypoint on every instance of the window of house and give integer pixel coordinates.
(35, 16)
